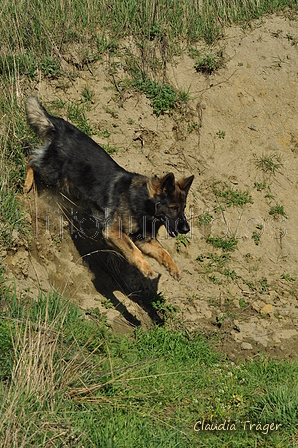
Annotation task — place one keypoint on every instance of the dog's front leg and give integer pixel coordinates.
(124, 245)
(153, 249)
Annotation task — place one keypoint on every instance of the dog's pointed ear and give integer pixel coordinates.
(184, 184)
(167, 183)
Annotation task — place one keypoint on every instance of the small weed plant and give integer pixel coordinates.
(269, 164)
(221, 134)
(182, 240)
(256, 235)
(209, 62)
(76, 114)
(288, 277)
(277, 210)
(205, 218)
(163, 97)
(229, 197)
(160, 305)
(50, 67)
(226, 244)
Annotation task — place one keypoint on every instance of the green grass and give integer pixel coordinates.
(76, 114)
(229, 197)
(226, 244)
(288, 278)
(269, 164)
(12, 225)
(163, 97)
(256, 234)
(205, 218)
(208, 62)
(277, 210)
(182, 240)
(25, 64)
(36, 26)
(14, 138)
(66, 378)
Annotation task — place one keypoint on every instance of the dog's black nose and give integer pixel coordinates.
(183, 227)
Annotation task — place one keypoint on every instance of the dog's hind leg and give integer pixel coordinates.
(153, 249)
(126, 247)
(29, 179)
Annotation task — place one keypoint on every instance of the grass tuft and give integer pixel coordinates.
(229, 197)
(209, 62)
(163, 97)
(277, 210)
(269, 164)
(226, 244)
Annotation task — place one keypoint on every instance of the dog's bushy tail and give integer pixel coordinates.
(38, 118)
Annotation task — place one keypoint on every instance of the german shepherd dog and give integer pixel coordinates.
(129, 207)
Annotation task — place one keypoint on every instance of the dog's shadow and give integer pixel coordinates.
(112, 272)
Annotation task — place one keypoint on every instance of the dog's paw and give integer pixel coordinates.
(174, 271)
(147, 270)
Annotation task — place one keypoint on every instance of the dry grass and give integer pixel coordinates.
(41, 377)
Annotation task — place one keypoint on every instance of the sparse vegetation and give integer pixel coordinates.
(229, 197)
(277, 210)
(109, 148)
(208, 62)
(215, 260)
(163, 97)
(192, 126)
(221, 134)
(269, 164)
(182, 239)
(87, 94)
(111, 112)
(264, 285)
(278, 62)
(256, 235)
(226, 244)
(288, 278)
(205, 218)
(260, 185)
(76, 114)
(214, 279)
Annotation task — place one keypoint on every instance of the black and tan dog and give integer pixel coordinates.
(129, 207)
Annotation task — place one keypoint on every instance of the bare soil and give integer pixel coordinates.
(250, 304)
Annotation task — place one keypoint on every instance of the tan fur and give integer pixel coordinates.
(153, 249)
(126, 246)
(29, 178)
